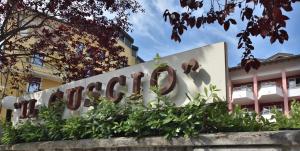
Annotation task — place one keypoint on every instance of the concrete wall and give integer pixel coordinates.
(213, 70)
(242, 141)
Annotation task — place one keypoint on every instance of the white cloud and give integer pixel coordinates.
(145, 24)
(162, 5)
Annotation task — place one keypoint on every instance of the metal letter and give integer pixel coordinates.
(110, 88)
(95, 94)
(171, 81)
(71, 103)
(137, 77)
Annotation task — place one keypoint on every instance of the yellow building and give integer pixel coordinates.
(43, 75)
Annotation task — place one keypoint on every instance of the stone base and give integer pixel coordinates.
(241, 141)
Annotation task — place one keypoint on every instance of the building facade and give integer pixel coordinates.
(275, 84)
(43, 74)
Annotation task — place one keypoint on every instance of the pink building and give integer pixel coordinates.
(275, 83)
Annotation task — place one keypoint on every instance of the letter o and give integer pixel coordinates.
(171, 81)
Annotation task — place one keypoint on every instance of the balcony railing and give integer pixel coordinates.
(294, 91)
(242, 95)
(270, 92)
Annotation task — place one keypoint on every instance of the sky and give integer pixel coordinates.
(153, 35)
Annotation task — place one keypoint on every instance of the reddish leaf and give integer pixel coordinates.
(226, 25)
(232, 21)
(240, 45)
(287, 7)
(248, 12)
(180, 30)
(255, 63)
(199, 22)
(272, 39)
(192, 21)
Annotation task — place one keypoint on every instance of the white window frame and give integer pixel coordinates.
(40, 58)
(269, 108)
(40, 85)
(292, 82)
(246, 86)
(79, 48)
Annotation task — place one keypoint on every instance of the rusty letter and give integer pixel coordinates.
(71, 103)
(56, 96)
(191, 65)
(95, 94)
(27, 108)
(171, 81)
(137, 77)
(110, 88)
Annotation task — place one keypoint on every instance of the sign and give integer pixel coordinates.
(182, 74)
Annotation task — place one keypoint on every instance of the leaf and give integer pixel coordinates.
(256, 63)
(199, 22)
(232, 21)
(192, 21)
(226, 25)
(272, 39)
(166, 14)
(250, 46)
(183, 3)
(287, 7)
(240, 45)
(239, 34)
(206, 91)
(248, 12)
(247, 67)
(180, 30)
(285, 17)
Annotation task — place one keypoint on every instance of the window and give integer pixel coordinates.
(24, 32)
(268, 109)
(79, 48)
(37, 60)
(34, 85)
(102, 55)
(243, 87)
(267, 84)
(294, 82)
(249, 111)
(134, 53)
(127, 42)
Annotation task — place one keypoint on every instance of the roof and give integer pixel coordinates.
(278, 57)
(135, 48)
(140, 59)
(123, 33)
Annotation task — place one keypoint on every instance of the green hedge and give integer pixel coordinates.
(133, 119)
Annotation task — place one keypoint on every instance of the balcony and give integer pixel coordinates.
(270, 92)
(294, 92)
(242, 95)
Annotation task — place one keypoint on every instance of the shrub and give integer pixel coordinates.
(132, 119)
(291, 122)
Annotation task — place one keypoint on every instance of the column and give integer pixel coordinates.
(285, 94)
(230, 105)
(255, 94)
